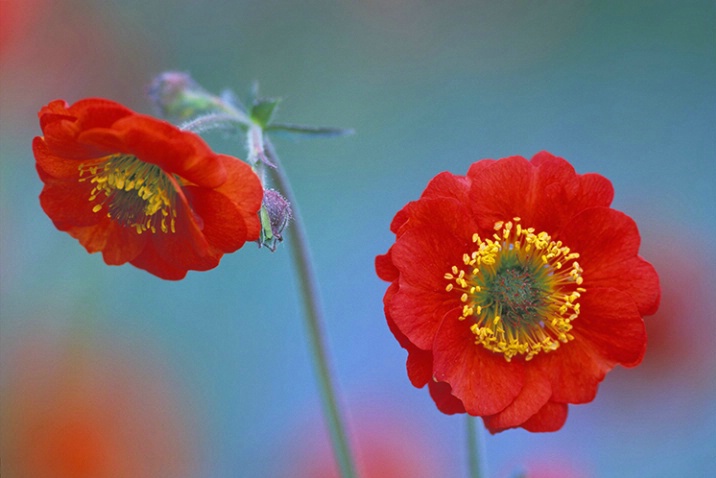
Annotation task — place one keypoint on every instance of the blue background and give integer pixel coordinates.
(625, 89)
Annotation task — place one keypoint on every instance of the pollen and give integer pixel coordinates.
(133, 193)
(520, 289)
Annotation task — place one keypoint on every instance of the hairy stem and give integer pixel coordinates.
(314, 320)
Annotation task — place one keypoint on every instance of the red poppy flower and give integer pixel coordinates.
(141, 190)
(515, 289)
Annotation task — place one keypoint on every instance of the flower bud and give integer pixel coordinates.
(179, 98)
(275, 214)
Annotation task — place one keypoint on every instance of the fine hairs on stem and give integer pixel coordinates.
(313, 314)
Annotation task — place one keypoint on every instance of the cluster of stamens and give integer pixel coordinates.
(133, 193)
(520, 288)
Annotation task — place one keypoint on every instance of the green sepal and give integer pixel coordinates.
(263, 109)
(266, 232)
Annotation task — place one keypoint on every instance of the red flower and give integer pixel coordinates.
(141, 190)
(515, 289)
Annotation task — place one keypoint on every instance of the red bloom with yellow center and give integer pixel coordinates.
(141, 190)
(515, 289)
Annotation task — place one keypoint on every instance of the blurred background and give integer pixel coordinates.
(217, 364)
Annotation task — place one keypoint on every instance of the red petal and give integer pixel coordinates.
(534, 395)
(98, 112)
(188, 247)
(401, 217)
(55, 111)
(544, 157)
(593, 190)
(62, 126)
(244, 189)
(596, 191)
(613, 325)
(443, 186)
(575, 371)
(418, 313)
(93, 128)
(500, 191)
(178, 250)
(151, 261)
(123, 244)
(419, 366)
(476, 168)
(549, 419)
(157, 142)
(484, 381)
(51, 165)
(601, 236)
(223, 223)
(444, 400)
(448, 185)
(544, 193)
(384, 267)
(118, 244)
(643, 288)
(439, 233)
(67, 203)
(554, 188)
(420, 362)
(608, 244)
(423, 255)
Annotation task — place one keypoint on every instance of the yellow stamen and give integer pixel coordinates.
(135, 194)
(520, 289)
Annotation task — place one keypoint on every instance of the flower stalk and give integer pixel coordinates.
(313, 314)
(475, 443)
(178, 96)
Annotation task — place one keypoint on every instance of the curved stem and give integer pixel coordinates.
(314, 320)
(212, 121)
(476, 455)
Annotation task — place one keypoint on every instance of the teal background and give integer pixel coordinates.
(625, 89)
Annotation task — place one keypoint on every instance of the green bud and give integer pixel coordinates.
(179, 98)
(275, 214)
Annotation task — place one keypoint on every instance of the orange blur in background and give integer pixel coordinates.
(86, 409)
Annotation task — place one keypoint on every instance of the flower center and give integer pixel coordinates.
(134, 193)
(521, 290)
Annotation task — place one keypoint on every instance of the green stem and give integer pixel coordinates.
(476, 455)
(314, 320)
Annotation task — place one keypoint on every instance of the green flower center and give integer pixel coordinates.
(517, 290)
(133, 193)
(520, 290)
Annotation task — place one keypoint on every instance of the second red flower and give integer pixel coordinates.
(141, 190)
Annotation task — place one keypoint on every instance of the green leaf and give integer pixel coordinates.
(308, 131)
